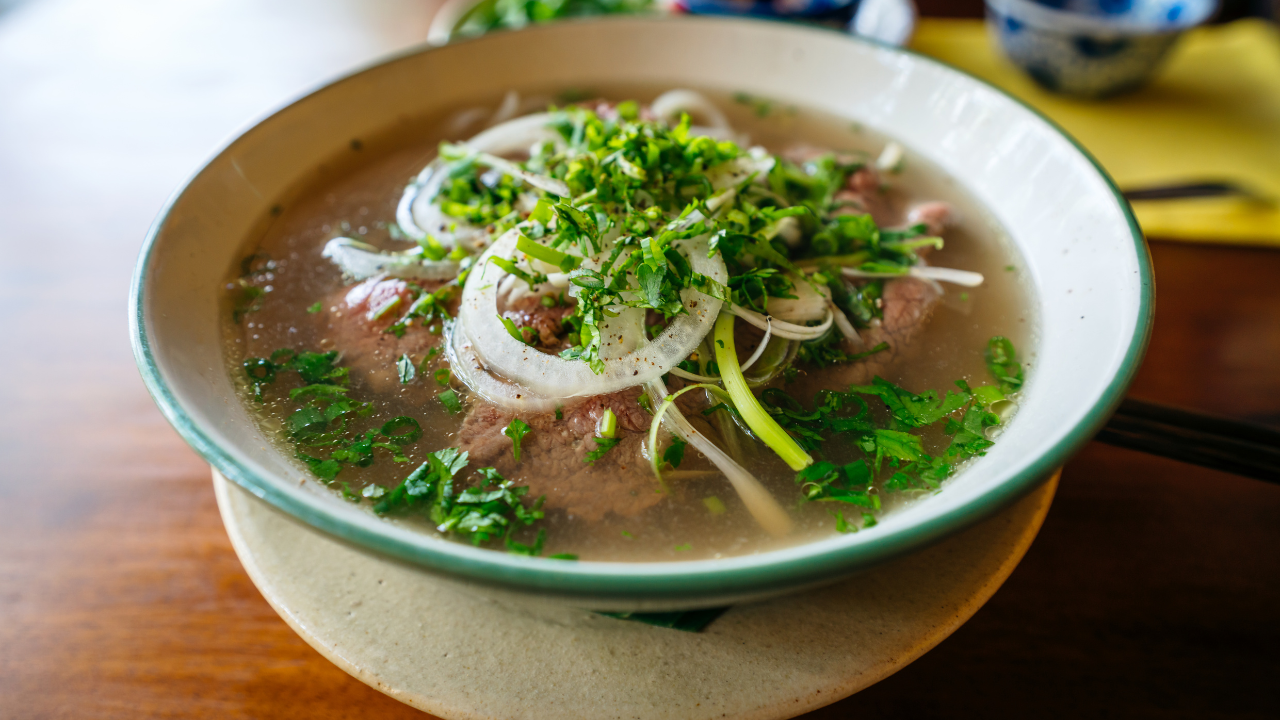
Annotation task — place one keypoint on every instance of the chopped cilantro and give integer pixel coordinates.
(715, 506)
(519, 13)
(683, 548)
(894, 457)
(250, 300)
(1002, 361)
(405, 369)
(914, 410)
(326, 470)
(603, 445)
(513, 331)
(516, 430)
(429, 309)
(324, 413)
(674, 454)
(316, 307)
(842, 525)
(488, 510)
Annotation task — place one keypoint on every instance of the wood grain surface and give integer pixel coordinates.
(1153, 590)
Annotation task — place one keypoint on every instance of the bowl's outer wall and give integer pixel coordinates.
(1079, 241)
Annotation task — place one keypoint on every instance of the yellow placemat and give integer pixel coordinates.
(1212, 113)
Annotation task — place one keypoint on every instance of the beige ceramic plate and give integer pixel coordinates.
(441, 648)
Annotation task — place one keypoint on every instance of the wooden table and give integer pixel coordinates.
(1153, 591)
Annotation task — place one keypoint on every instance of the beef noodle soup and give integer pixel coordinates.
(683, 327)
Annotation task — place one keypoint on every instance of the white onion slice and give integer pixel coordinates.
(808, 304)
(731, 173)
(768, 334)
(542, 182)
(925, 272)
(762, 506)
(846, 328)
(671, 103)
(556, 377)
(890, 160)
(694, 377)
(782, 329)
(362, 261)
(417, 215)
(468, 368)
(518, 135)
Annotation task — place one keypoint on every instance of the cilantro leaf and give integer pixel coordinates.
(326, 470)
(491, 509)
(405, 369)
(516, 430)
(250, 300)
(1002, 361)
(913, 410)
(603, 445)
(674, 454)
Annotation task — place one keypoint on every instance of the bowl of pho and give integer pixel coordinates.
(656, 330)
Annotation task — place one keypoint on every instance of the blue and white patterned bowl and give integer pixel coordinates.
(1092, 48)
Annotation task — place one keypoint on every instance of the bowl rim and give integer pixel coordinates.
(791, 567)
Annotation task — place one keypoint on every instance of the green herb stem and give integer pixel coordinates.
(608, 423)
(760, 422)
(564, 261)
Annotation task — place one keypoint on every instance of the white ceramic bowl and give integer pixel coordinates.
(1080, 243)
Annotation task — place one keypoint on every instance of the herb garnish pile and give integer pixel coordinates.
(323, 417)
(490, 509)
(894, 456)
(646, 186)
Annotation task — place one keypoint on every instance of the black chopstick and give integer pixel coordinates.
(1213, 442)
(1192, 190)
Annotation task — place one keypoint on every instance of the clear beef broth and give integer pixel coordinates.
(358, 198)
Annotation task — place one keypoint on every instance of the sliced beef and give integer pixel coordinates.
(553, 455)
(937, 216)
(908, 304)
(554, 452)
(862, 193)
(366, 347)
(548, 322)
